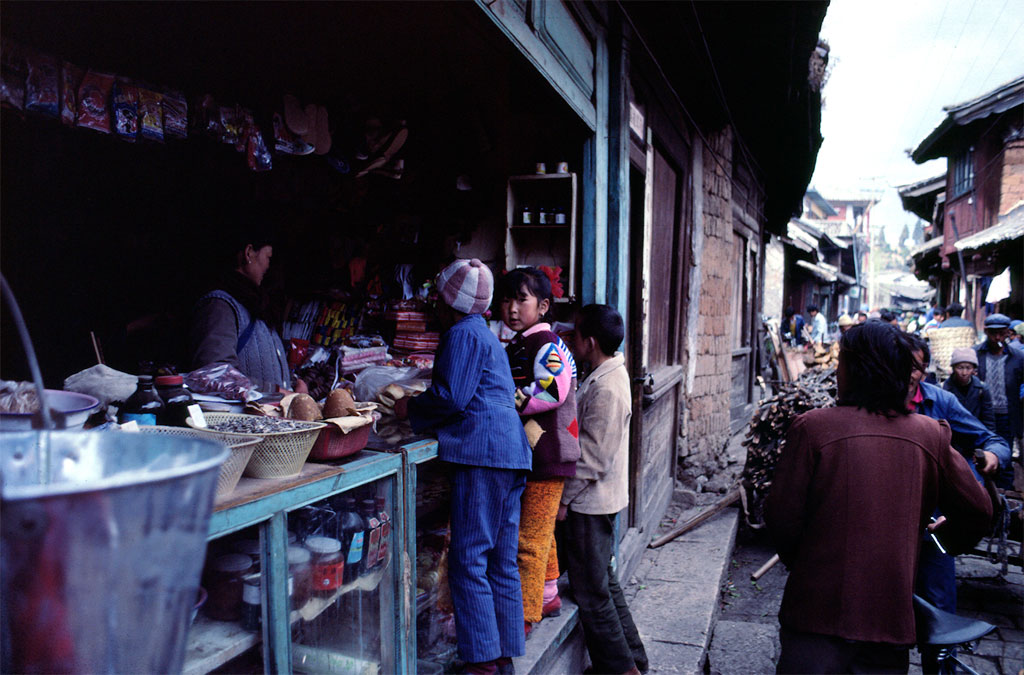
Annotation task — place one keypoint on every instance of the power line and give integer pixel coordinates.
(935, 90)
(920, 81)
(1008, 43)
(980, 50)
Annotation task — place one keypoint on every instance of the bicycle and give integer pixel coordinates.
(949, 633)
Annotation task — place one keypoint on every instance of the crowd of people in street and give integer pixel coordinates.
(526, 450)
(871, 502)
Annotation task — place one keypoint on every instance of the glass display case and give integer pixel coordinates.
(300, 573)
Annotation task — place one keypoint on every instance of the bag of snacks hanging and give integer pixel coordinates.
(42, 85)
(94, 101)
(175, 109)
(151, 122)
(126, 110)
(12, 76)
(70, 80)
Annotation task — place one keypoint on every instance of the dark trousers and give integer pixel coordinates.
(814, 653)
(1004, 479)
(611, 636)
(482, 571)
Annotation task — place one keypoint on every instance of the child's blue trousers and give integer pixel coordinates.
(482, 570)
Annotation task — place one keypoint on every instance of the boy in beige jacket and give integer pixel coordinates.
(600, 490)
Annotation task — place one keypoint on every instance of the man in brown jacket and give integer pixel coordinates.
(853, 490)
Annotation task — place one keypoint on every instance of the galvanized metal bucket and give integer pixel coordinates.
(102, 539)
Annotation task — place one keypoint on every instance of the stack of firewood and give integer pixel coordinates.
(766, 434)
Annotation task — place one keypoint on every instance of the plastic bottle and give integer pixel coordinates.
(176, 400)
(144, 406)
(371, 535)
(353, 532)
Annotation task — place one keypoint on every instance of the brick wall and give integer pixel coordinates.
(1011, 189)
(705, 421)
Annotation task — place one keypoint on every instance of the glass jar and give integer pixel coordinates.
(176, 400)
(251, 548)
(328, 565)
(300, 575)
(252, 602)
(224, 586)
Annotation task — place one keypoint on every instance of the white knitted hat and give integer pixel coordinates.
(466, 286)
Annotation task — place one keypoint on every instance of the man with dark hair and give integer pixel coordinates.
(849, 500)
(792, 327)
(953, 316)
(938, 316)
(599, 490)
(890, 317)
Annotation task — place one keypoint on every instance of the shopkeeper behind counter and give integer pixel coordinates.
(235, 321)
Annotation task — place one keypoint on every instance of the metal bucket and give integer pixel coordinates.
(103, 537)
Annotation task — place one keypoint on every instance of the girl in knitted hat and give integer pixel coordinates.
(471, 406)
(544, 373)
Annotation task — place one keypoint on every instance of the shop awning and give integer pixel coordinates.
(1011, 228)
(796, 243)
(840, 277)
(917, 251)
(818, 271)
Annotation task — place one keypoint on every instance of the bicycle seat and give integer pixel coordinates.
(939, 627)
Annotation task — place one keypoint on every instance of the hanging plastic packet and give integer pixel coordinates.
(151, 124)
(285, 142)
(232, 121)
(42, 85)
(207, 118)
(175, 108)
(126, 110)
(94, 100)
(12, 76)
(257, 154)
(70, 79)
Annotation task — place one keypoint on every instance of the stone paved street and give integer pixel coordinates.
(747, 628)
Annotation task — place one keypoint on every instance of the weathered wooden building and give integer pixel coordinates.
(693, 129)
(974, 210)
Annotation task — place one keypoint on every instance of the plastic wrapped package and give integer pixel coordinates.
(42, 86)
(175, 109)
(12, 75)
(151, 122)
(18, 397)
(94, 101)
(103, 382)
(126, 110)
(70, 79)
(221, 379)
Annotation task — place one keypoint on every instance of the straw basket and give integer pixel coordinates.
(942, 343)
(279, 453)
(241, 447)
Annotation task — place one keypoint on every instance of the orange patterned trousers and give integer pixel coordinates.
(538, 558)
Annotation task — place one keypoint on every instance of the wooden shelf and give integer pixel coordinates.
(551, 244)
(213, 643)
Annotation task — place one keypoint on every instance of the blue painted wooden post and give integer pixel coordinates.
(618, 171)
(276, 611)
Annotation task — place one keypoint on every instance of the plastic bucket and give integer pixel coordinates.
(102, 542)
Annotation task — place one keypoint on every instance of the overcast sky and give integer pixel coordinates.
(895, 64)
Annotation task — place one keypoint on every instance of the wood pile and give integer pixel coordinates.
(766, 433)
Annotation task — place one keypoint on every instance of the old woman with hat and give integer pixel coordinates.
(971, 392)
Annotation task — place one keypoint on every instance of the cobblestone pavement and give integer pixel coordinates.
(751, 609)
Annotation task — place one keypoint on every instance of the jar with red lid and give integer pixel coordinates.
(224, 586)
(327, 563)
(176, 400)
(300, 575)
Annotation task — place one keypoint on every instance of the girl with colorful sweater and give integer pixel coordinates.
(544, 374)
